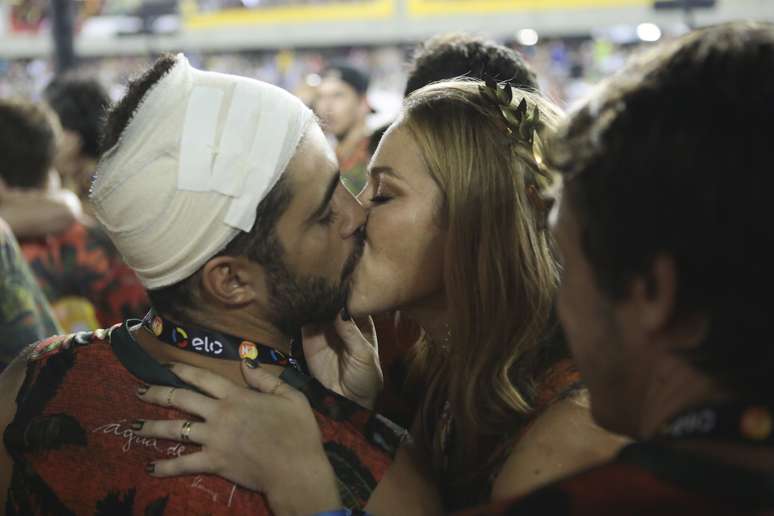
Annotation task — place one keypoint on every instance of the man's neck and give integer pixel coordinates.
(241, 325)
(679, 387)
(675, 386)
(164, 354)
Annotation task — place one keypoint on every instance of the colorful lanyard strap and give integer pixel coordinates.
(734, 422)
(213, 344)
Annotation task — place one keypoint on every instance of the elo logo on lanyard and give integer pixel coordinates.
(206, 345)
(214, 344)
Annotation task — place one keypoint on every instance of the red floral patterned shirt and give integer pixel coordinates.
(84, 278)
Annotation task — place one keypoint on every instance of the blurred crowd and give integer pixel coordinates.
(567, 68)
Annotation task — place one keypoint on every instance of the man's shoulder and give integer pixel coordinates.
(643, 480)
(52, 358)
(69, 343)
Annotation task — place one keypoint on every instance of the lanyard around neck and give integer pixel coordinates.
(213, 344)
(732, 422)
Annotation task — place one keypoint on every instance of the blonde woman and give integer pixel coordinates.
(456, 239)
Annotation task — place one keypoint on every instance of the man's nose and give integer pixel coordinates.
(354, 215)
(365, 195)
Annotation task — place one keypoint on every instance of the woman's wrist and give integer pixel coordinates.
(312, 490)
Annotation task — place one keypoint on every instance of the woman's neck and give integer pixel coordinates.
(433, 318)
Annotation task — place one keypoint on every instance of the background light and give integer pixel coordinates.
(648, 32)
(528, 37)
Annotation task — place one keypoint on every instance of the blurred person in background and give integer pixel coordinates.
(307, 90)
(25, 315)
(34, 213)
(448, 56)
(664, 230)
(342, 104)
(81, 105)
(80, 272)
(463, 250)
(456, 55)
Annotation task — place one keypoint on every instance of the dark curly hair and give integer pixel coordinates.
(674, 157)
(28, 139)
(81, 104)
(454, 55)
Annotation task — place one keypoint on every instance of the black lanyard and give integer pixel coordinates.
(213, 344)
(735, 422)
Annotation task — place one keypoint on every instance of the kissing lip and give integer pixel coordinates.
(357, 253)
(348, 271)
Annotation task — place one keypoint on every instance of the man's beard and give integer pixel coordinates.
(297, 300)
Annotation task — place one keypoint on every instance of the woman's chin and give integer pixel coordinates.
(358, 304)
(364, 299)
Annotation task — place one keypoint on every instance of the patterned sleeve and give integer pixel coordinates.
(25, 315)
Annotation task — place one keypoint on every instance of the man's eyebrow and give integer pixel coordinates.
(330, 190)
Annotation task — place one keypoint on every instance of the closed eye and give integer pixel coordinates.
(380, 199)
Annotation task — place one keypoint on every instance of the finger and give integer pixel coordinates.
(184, 465)
(351, 335)
(173, 430)
(265, 382)
(368, 330)
(183, 399)
(213, 384)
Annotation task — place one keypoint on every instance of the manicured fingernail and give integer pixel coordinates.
(345, 314)
(142, 389)
(137, 425)
(252, 364)
(150, 467)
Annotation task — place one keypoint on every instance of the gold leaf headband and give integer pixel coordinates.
(523, 129)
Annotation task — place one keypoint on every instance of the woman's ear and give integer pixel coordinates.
(231, 280)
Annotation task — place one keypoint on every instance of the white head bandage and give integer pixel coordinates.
(201, 152)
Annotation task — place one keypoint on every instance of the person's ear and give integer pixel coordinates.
(229, 280)
(654, 294)
(655, 297)
(364, 107)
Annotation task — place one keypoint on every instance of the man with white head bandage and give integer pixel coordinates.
(223, 196)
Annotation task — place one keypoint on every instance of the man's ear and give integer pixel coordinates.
(229, 280)
(654, 294)
(655, 298)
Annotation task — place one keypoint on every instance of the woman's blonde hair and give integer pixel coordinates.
(500, 274)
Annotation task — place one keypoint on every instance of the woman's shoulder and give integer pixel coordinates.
(561, 440)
